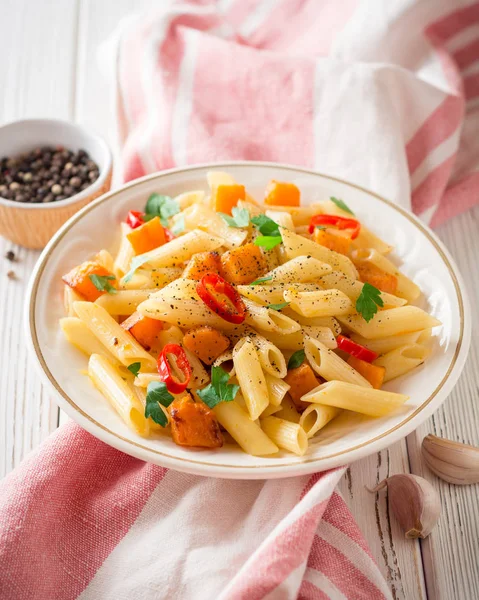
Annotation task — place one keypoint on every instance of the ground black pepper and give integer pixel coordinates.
(46, 174)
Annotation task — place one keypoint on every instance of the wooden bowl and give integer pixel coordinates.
(32, 225)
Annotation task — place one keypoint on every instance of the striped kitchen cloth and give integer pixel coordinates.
(382, 94)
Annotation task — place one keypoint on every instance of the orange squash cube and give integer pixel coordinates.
(143, 329)
(280, 193)
(302, 380)
(79, 279)
(148, 236)
(373, 373)
(202, 263)
(194, 424)
(369, 273)
(243, 265)
(338, 243)
(225, 197)
(206, 343)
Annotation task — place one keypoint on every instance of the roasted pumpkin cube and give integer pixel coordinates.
(202, 263)
(143, 329)
(243, 265)
(373, 373)
(194, 424)
(148, 236)
(79, 280)
(337, 242)
(280, 193)
(369, 273)
(302, 380)
(206, 343)
(225, 197)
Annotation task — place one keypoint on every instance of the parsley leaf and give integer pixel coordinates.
(161, 206)
(368, 301)
(278, 306)
(102, 283)
(134, 368)
(296, 359)
(239, 219)
(342, 205)
(268, 242)
(157, 393)
(219, 390)
(266, 225)
(179, 225)
(136, 263)
(261, 280)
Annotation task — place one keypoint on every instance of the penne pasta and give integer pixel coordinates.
(105, 259)
(69, 297)
(383, 345)
(285, 434)
(125, 253)
(271, 358)
(329, 365)
(317, 416)
(78, 334)
(272, 294)
(270, 410)
(225, 361)
(323, 303)
(190, 198)
(251, 378)
(199, 216)
(268, 319)
(301, 269)
(401, 360)
(119, 342)
(150, 278)
(406, 288)
(295, 341)
(289, 411)
(277, 389)
(390, 322)
(243, 430)
(367, 401)
(118, 392)
(124, 302)
(296, 245)
(329, 322)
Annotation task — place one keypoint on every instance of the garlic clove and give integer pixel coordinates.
(452, 461)
(414, 502)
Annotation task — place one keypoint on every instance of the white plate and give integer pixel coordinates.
(348, 438)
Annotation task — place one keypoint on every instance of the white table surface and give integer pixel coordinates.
(49, 69)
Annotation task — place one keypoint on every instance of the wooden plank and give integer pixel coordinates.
(398, 559)
(451, 552)
(38, 42)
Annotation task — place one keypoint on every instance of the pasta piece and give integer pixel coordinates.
(353, 288)
(251, 378)
(288, 410)
(124, 302)
(125, 253)
(301, 269)
(181, 249)
(277, 389)
(105, 259)
(247, 434)
(69, 297)
(225, 361)
(329, 365)
(268, 319)
(119, 342)
(150, 278)
(301, 215)
(271, 358)
(329, 322)
(384, 345)
(296, 245)
(317, 416)
(402, 360)
(282, 218)
(285, 434)
(140, 393)
(367, 401)
(324, 303)
(118, 392)
(270, 410)
(390, 322)
(202, 217)
(189, 198)
(295, 340)
(405, 287)
(78, 334)
(273, 294)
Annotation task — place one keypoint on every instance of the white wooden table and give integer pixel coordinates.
(49, 69)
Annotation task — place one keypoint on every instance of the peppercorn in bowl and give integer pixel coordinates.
(49, 169)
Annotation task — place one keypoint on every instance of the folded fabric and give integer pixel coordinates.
(381, 94)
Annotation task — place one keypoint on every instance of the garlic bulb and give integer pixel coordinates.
(414, 502)
(452, 461)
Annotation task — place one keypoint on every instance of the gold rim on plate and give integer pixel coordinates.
(138, 182)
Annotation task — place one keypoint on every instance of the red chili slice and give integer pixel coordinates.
(135, 218)
(222, 298)
(174, 385)
(335, 221)
(355, 349)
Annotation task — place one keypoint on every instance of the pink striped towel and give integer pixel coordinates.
(382, 94)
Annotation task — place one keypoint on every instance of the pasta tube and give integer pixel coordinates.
(390, 322)
(402, 360)
(384, 345)
(317, 416)
(324, 303)
(285, 434)
(124, 302)
(301, 269)
(251, 378)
